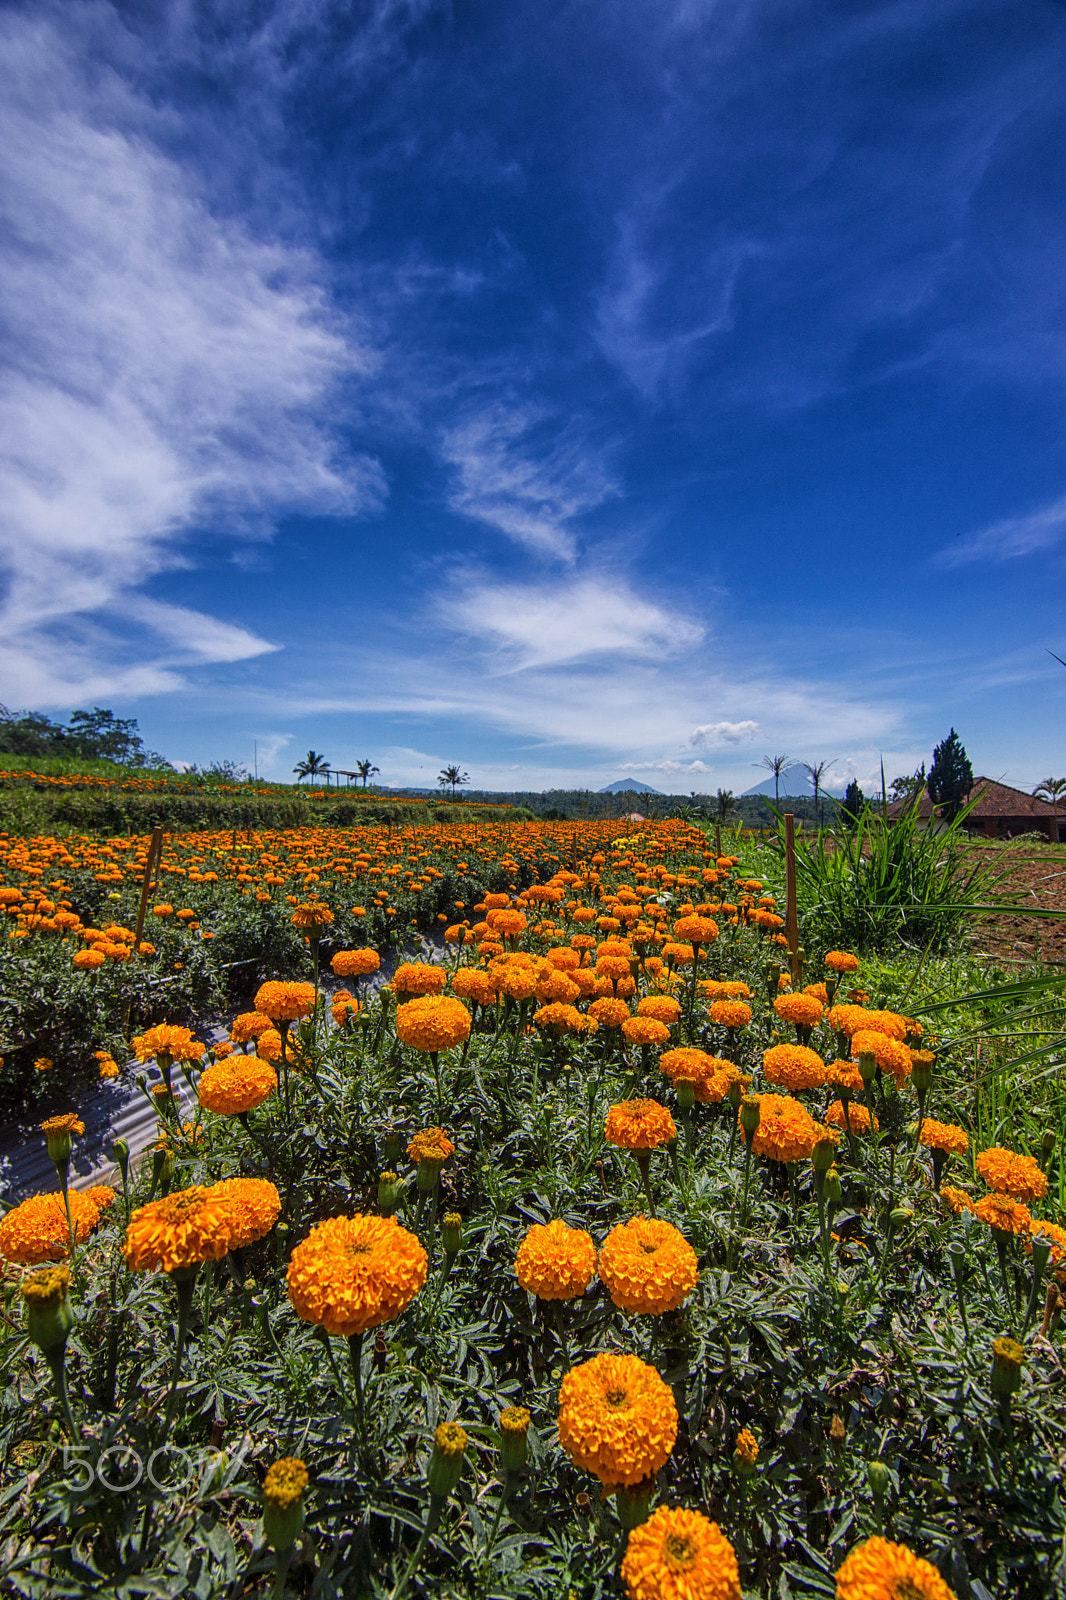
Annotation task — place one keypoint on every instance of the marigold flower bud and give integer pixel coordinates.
(922, 1062)
(120, 1155)
(746, 1454)
(867, 1067)
(1008, 1358)
(393, 1144)
(879, 1478)
(446, 1463)
(686, 1093)
(750, 1113)
(514, 1436)
(49, 1318)
(451, 1233)
(833, 1190)
(284, 1488)
(824, 1155)
(390, 1192)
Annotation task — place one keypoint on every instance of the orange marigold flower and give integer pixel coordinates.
(354, 1273)
(88, 958)
(793, 1066)
(553, 985)
(555, 1262)
(1054, 1235)
(355, 963)
(236, 1084)
(1003, 1213)
(431, 1144)
(562, 957)
(255, 1206)
(508, 924)
(249, 1025)
(841, 961)
(729, 1013)
(844, 1075)
(268, 1045)
(848, 1019)
(1011, 1174)
(890, 1054)
(802, 1010)
(645, 1031)
(418, 978)
(680, 1555)
(858, 1117)
(648, 1266)
(877, 1569)
(956, 1200)
(180, 1230)
(663, 1007)
(561, 1018)
(639, 1125)
(36, 1230)
(471, 983)
(696, 929)
(787, 1132)
(312, 915)
(617, 1419)
(284, 1001)
(167, 1041)
(892, 1024)
(609, 1013)
(945, 1136)
(434, 1022)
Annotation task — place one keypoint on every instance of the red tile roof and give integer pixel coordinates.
(993, 800)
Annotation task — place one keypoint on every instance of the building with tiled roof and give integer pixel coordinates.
(999, 811)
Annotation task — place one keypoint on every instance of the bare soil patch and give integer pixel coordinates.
(1036, 877)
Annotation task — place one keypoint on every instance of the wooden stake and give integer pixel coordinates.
(155, 851)
(791, 918)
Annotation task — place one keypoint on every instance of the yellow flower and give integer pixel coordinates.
(415, 978)
(680, 1555)
(354, 1273)
(285, 1482)
(648, 1266)
(617, 1419)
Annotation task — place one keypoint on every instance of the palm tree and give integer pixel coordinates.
(777, 765)
(816, 771)
(1051, 789)
(451, 778)
(364, 769)
(726, 802)
(311, 766)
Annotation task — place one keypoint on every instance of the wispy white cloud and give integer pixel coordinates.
(518, 471)
(710, 734)
(669, 768)
(1010, 538)
(162, 366)
(558, 622)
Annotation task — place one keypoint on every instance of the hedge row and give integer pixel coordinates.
(113, 812)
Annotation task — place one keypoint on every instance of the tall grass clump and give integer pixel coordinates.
(879, 883)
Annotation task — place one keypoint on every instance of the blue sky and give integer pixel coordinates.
(567, 390)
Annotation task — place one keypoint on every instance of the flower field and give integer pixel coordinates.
(620, 1249)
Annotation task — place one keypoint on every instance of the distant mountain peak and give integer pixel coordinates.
(625, 785)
